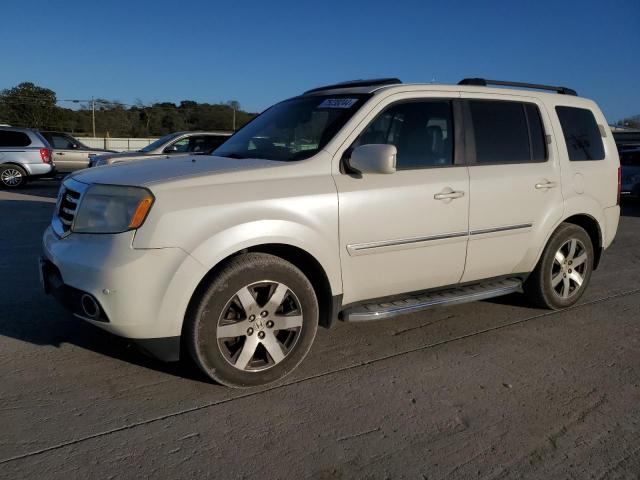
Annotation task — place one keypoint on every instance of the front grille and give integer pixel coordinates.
(69, 200)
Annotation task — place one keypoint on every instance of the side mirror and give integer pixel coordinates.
(75, 146)
(170, 149)
(373, 158)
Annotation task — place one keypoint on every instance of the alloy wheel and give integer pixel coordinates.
(11, 177)
(569, 268)
(259, 326)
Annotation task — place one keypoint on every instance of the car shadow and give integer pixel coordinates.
(27, 314)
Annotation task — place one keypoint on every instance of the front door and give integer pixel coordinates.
(515, 191)
(405, 231)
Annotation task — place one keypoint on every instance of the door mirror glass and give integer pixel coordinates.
(373, 158)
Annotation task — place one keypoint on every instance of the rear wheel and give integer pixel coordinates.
(564, 270)
(254, 323)
(12, 176)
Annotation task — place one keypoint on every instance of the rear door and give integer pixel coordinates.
(514, 175)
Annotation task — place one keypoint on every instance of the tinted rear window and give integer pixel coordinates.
(507, 132)
(581, 134)
(14, 139)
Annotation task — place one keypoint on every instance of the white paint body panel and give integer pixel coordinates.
(208, 208)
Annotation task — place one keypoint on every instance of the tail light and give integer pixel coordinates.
(45, 155)
(619, 184)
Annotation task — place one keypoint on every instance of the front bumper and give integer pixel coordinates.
(142, 293)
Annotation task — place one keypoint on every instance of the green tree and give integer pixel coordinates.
(29, 105)
(32, 106)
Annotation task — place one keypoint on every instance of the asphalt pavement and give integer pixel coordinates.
(493, 389)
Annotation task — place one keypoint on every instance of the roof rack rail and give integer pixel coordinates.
(357, 83)
(484, 82)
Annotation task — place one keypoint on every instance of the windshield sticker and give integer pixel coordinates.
(338, 103)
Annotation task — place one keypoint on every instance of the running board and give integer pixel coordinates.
(420, 301)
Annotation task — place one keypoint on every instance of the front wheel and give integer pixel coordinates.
(254, 322)
(564, 269)
(12, 176)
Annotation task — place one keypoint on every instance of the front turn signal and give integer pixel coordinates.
(141, 212)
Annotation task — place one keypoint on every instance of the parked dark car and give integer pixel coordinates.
(69, 153)
(630, 163)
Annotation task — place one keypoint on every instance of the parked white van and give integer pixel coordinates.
(359, 201)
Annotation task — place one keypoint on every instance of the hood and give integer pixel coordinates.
(149, 171)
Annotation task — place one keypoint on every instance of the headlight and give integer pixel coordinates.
(112, 209)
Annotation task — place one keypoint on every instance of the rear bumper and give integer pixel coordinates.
(611, 218)
(39, 169)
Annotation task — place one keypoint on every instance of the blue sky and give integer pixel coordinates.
(258, 52)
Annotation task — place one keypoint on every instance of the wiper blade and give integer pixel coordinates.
(232, 155)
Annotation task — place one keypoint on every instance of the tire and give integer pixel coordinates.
(558, 280)
(231, 329)
(12, 176)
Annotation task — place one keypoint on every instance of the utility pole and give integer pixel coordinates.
(234, 117)
(93, 116)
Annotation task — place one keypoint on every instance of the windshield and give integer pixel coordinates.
(294, 129)
(158, 143)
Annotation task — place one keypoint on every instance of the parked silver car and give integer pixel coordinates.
(172, 144)
(24, 154)
(71, 154)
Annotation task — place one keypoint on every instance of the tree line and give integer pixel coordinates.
(33, 106)
(630, 122)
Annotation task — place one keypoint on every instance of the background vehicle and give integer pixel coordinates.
(178, 143)
(359, 201)
(69, 153)
(24, 154)
(630, 163)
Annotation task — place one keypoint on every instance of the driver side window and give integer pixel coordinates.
(422, 132)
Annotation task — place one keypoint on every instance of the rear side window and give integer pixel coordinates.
(507, 132)
(581, 134)
(14, 139)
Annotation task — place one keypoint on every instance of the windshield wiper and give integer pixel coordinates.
(232, 155)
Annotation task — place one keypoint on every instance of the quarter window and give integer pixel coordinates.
(507, 132)
(14, 139)
(422, 131)
(581, 134)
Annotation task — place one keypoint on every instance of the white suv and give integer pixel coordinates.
(359, 201)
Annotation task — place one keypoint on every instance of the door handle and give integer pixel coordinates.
(546, 184)
(448, 195)
(59, 153)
